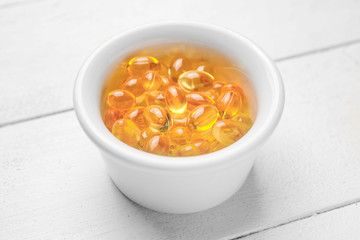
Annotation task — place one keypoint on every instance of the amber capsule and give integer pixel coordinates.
(110, 117)
(175, 99)
(178, 120)
(228, 131)
(187, 151)
(205, 66)
(205, 135)
(165, 83)
(197, 99)
(155, 98)
(218, 86)
(134, 85)
(136, 115)
(178, 66)
(157, 144)
(202, 118)
(229, 104)
(145, 133)
(202, 145)
(156, 118)
(216, 146)
(196, 81)
(137, 66)
(233, 87)
(241, 117)
(120, 100)
(180, 135)
(126, 131)
(151, 80)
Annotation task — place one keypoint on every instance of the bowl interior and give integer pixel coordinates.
(261, 71)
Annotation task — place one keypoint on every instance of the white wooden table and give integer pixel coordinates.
(305, 184)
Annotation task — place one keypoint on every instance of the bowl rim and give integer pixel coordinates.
(125, 153)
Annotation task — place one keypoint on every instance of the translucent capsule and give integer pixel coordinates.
(202, 145)
(216, 146)
(187, 151)
(134, 85)
(140, 100)
(155, 98)
(178, 120)
(218, 86)
(233, 87)
(180, 135)
(205, 66)
(196, 81)
(205, 135)
(175, 99)
(165, 83)
(158, 143)
(156, 118)
(126, 131)
(241, 117)
(229, 104)
(151, 80)
(178, 66)
(228, 131)
(110, 117)
(145, 133)
(202, 118)
(136, 115)
(120, 100)
(197, 99)
(137, 66)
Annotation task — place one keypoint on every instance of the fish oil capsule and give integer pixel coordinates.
(126, 131)
(140, 100)
(218, 86)
(197, 99)
(165, 83)
(216, 146)
(120, 100)
(205, 66)
(110, 117)
(136, 115)
(233, 87)
(202, 118)
(157, 144)
(175, 99)
(202, 145)
(133, 85)
(178, 120)
(155, 98)
(180, 135)
(205, 135)
(196, 81)
(229, 104)
(156, 118)
(137, 66)
(187, 151)
(212, 94)
(228, 131)
(145, 133)
(241, 117)
(151, 80)
(178, 66)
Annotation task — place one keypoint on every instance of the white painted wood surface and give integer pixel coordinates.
(43, 43)
(53, 184)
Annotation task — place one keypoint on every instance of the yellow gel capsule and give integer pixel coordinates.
(133, 85)
(202, 118)
(137, 66)
(218, 86)
(180, 135)
(216, 146)
(197, 99)
(228, 131)
(140, 100)
(205, 135)
(136, 115)
(110, 117)
(202, 145)
(126, 131)
(196, 81)
(233, 87)
(120, 100)
(205, 66)
(178, 120)
(178, 66)
(155, 98)
(151, 80)
(147, 132)
(175, 99)
(156, 118)
(187, 151)
(241, 117)
(212, 94)
(229, 104)
(157, 144)
(165, 83)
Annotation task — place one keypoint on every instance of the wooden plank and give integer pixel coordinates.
(43, 43)
(341, 223)
(53, 183)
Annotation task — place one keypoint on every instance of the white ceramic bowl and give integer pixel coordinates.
(175, 184)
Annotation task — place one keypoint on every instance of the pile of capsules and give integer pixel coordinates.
(185, 113)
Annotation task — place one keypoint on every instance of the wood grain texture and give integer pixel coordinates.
(53, 184)
(340, 224)
(43, 43)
